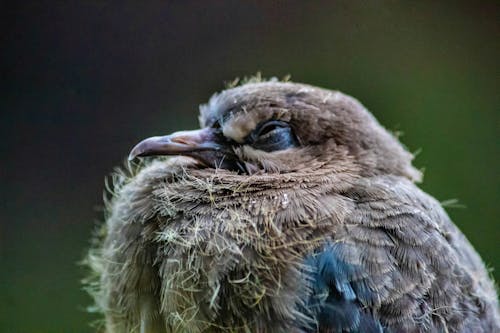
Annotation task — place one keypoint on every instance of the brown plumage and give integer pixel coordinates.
(291, 210)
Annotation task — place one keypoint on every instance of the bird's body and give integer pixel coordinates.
(298, 213)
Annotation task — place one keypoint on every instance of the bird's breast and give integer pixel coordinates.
(238, 248)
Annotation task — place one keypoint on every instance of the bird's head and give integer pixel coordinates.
(284, 127)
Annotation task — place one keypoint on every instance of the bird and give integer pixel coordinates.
(291, 209)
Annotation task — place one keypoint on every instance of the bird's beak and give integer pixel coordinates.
(178, 143)
(203, 145)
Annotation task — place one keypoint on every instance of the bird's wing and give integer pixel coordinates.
(396, 262)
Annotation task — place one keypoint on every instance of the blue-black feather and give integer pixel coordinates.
(337, 293)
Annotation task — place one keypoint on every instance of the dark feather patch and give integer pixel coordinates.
(334, 302)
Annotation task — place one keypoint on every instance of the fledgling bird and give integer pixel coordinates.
(290, 210)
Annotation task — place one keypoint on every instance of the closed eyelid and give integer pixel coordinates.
(265, 127)
(280, 136)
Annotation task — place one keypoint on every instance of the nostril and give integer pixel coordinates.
(181, 140)
(189, 138)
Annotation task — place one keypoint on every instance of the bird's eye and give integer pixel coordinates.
(272, 136)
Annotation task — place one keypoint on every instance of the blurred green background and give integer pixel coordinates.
(82, 82)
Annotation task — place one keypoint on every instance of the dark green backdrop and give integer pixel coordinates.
(82, 82)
